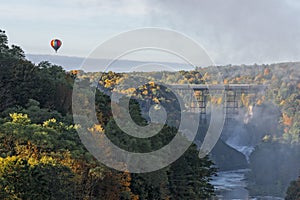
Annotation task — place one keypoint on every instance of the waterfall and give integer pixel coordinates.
(246, 150)
(248, 115)
(239, 138)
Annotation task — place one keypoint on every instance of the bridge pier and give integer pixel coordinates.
(231, 97)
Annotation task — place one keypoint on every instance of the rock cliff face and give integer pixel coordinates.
(242, 134)
(273, 166)
(224, 156)
(228, 158)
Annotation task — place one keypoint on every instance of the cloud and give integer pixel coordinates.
(70, 10)
(236, 31)
(232, 31)
(80, 24)
(120, 7)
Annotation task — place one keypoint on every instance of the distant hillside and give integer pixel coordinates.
(69, 63)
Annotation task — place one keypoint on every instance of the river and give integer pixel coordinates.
(232, 185)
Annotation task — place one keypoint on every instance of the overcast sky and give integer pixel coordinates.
(231, 31)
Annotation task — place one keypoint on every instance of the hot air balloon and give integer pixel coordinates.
(56, 44)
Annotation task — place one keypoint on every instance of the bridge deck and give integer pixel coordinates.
(249, 87)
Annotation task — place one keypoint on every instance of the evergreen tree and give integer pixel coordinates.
(293, 192)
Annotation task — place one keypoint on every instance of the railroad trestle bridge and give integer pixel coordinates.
(230, 94)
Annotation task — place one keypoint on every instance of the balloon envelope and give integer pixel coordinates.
(56, 44)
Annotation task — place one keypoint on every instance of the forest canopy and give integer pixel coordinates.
(42, 157)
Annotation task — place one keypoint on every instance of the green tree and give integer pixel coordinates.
(189, 176)
(42, 179)
(293, 191)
